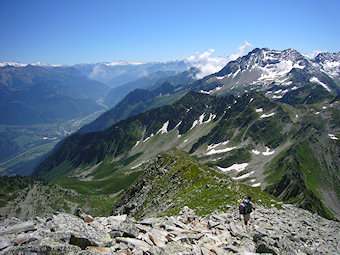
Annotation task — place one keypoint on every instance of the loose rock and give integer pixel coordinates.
(287, 231)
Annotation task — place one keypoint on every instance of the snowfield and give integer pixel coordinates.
(267, 115)
(316, 80)
(333, 137)
(164, 128)
(214, 145)
(243, 176)
(213, 151)
(268, 152)
(236, 167)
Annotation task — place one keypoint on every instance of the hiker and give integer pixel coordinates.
(245, 208)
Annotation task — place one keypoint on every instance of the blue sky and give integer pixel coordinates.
(84, 31)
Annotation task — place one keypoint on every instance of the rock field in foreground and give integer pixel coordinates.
(287, 231)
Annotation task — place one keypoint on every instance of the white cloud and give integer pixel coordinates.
(313, 54)
(242, 50)
(98, 71)
(207, 64)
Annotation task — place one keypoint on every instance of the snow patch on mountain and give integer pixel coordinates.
(332, 68)
(243, 176)
(267, 115)
(278, 70)
(134, 167)
(199, 121)
(213, 151)
(256, 185)
(268, 152)
(212, 146)
(211, 91)
(256, 152)
(236, 167)
(211, 117)
(164, 128)
(333, 137)
(316, 80)
(136, 144)
(146, 139)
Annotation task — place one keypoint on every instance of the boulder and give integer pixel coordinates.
(88, 218)
(80, 233)
(18, 228)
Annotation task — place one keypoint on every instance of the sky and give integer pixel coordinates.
(90, 31)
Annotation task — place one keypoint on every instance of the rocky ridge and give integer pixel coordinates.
(289, 230)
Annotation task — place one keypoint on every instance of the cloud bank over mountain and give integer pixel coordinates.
(208, 64)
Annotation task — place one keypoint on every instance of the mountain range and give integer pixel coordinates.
(268, 120)
(280, 74)
(41, 104)
(115, 74)
(34, 94)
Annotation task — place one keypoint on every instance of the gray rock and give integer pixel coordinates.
(157, 241)
(115, 233)
(45, 246)
(24, 238)
(135, 242)
(81, 234)
(213, 224)
(18, 228)
(262, 247)
(129, 229)
(4, 243)
(175, 248)
(287, 231)
(143, 228)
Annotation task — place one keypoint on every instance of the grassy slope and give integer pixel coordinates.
(25, 197)
(178, 180)
(297, 175)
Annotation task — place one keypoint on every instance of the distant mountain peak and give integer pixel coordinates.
(263, 68)
(123, 63)
(18, 64)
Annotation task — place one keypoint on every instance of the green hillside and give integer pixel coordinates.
(174, 180)
(246, 137)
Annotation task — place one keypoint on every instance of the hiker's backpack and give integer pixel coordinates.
(245, 207)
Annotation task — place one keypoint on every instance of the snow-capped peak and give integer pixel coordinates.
(123, 63)
(263, 68)
(18, 64)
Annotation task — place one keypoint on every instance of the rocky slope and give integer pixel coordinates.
(272, 231)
